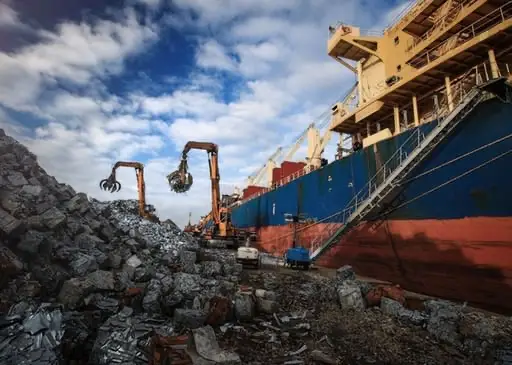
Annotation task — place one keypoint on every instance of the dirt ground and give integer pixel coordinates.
(311, 323)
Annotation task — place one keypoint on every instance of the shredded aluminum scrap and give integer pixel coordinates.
(33, 338)
(126, 339)
(165, 235)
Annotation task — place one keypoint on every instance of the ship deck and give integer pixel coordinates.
(459, 49)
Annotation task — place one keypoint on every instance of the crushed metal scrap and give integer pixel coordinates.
(31, 338)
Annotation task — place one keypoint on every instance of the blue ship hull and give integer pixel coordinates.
(455, 221)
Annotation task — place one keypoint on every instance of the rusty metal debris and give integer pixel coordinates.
(169, 350)
(220, 307)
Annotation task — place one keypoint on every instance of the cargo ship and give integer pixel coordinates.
(421, 195)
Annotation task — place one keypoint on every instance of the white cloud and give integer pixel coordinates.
(128, 123)
(211, 54)
(216, 12)
(261, 27)
(9, 125)
(275, 50)
(75, 53)
(182, 103)
(66, 105)
(205, 82)
(86, 50)
(19, 87)
(9, 18)
(261, 59)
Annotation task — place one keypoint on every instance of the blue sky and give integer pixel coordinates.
(86, 83)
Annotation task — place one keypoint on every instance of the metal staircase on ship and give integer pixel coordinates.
(385, 184)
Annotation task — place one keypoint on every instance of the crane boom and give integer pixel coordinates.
(256, 177)
(319, 149)
(298, 142)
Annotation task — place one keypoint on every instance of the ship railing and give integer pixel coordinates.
(478, 27)
(339, 25)
(459, 88)
(462, 85)
(446, 20)
(352, 104)
(382, 175)
(286, 180)
(279, 183)
(371, 32)
(410, 11)
(346, 29)
(475, 76)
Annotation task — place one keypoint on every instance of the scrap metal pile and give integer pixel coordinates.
(92, 260)
(88, 282)
(307, 318)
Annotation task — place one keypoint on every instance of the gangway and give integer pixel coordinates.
(385, 184)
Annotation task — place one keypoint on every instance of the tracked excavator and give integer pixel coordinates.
(111, 184)
(180, 181)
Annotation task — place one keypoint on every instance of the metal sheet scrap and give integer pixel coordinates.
(31, 337)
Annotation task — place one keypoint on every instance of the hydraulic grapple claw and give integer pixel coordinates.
(104, 184)
(115, 187)
(110, 184)
(180, 182)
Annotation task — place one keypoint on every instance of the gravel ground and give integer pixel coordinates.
(347, 336)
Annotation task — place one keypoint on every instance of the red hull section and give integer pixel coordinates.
(464, 259)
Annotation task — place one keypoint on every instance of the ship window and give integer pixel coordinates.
(273, 208)
(397, 41)
(399, 68)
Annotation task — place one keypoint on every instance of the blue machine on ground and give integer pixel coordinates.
(297, 257)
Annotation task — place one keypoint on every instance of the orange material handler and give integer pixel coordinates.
(180, 181)
(112, 185)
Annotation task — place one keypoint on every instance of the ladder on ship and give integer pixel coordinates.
(375, 195)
